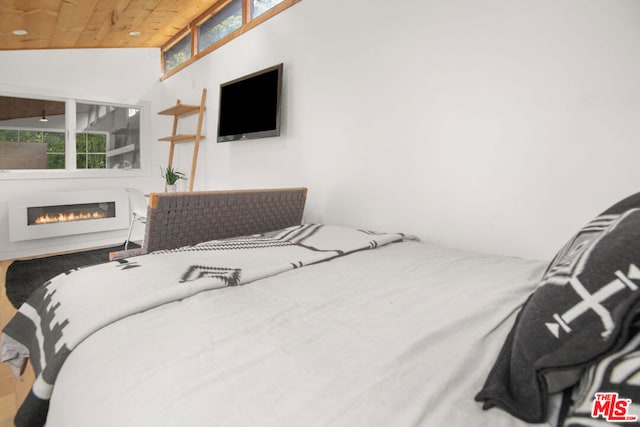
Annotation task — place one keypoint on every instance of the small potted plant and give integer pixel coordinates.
(171, 176)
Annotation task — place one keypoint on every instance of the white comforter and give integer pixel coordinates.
(403, 335)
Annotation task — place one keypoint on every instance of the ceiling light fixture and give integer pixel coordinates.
(44, 118)
(19, 32)
(134, 33)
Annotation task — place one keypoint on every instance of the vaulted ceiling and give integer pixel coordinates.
(55, 24)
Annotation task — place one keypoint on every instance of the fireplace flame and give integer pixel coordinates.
(62, 217)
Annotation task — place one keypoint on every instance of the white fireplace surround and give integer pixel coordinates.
(20, 230)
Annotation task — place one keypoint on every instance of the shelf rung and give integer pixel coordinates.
(180, 138)
(180, 110)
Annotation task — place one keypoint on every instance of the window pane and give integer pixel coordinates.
(24, 122)
(55, 145)
(258, 7)
(8, 135)
(53, 138)
(55, 161)
(96, 143)
(178, 53)
(220, 25)
(29, 136)
(110, 132)
(81, 142)
(81, 161)
(96, 161)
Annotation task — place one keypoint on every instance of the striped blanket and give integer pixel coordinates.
(72, 306)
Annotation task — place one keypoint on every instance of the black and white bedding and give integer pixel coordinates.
(579, 325)
(72, 306)
(375, 329)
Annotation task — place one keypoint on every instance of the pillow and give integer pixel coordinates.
(580, 313)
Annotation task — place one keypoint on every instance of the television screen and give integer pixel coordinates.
(250, 106)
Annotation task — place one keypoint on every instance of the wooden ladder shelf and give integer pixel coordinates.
(179, 111)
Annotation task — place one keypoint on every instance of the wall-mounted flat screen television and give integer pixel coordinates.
(250, 106)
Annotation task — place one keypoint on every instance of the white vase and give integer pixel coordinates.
(171, 188)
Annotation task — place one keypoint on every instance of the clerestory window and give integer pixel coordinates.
(220, 24)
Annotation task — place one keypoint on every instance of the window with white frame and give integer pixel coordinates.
(38, 134)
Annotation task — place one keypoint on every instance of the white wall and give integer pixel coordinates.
(501, 126)
(127, 76)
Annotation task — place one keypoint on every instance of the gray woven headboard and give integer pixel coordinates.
(182, 219)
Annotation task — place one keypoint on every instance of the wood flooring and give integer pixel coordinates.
(12, 391)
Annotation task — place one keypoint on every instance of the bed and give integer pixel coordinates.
(321, 325)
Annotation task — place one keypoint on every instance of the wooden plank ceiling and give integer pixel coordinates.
(58, 24)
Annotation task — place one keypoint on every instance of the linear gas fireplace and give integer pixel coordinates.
(73, 212)
(46, 215)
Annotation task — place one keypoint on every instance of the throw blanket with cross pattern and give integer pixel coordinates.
(72, 306)
(583, 313)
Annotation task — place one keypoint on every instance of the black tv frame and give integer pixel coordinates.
(256, 134)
